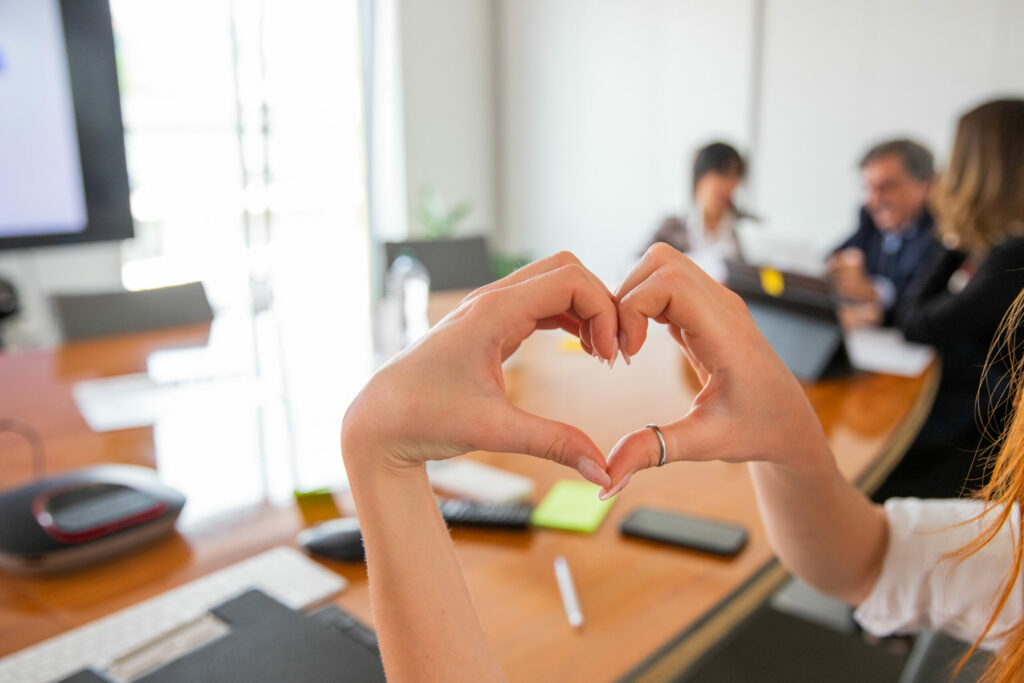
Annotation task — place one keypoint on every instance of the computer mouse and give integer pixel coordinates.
(338, 539)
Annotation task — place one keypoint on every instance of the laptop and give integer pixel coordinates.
(796, 313)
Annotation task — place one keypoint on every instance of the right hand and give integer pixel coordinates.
(750, 408)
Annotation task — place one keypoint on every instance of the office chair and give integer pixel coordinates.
(83, 316)
(8, 305)
(935, 656)
(773, 646)
(462, 263)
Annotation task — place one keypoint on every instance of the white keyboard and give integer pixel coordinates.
(283, 573)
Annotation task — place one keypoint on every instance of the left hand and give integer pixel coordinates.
(850, 277)
(860, 315)
(445, 395)
(750, 408)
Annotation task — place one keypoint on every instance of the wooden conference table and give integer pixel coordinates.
(650, 610)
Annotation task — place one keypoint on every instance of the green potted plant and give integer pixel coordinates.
(453, 262)
(437, 219)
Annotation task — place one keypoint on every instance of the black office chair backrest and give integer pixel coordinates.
(462, 263)
(83, 316)
(935, 656)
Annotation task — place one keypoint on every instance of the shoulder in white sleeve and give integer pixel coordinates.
(919, 588)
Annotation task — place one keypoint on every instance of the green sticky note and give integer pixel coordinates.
(573, 506)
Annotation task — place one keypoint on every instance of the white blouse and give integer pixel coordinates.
(918, 589)
(711, 251)
(722, 241)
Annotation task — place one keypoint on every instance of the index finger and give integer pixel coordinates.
(538, 267)
(683, 295)
(545, 265)
(654, 259)
(569, 289)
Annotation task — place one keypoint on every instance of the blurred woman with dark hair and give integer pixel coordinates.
(711, 221)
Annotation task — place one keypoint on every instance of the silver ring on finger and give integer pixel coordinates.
(661, 440)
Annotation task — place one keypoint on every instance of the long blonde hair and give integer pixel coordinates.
(979, 200)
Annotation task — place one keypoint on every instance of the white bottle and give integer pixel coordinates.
(408, 288)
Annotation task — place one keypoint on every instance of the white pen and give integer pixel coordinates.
(568, 591)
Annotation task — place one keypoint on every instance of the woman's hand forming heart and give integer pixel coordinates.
(750, 408)
(445, 395)
(441, 397)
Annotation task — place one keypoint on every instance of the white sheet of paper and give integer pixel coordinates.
(477, 481)
(129, 401)
(884, 350)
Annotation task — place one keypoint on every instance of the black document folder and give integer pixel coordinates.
(268, 642)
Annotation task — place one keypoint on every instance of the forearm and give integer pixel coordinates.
(822, 528)
(426, 624)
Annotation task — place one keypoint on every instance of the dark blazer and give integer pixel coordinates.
(961, 326)
(916, 250)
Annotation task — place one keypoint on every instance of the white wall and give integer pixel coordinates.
(603, 103)
(447, 61)
(839, 76)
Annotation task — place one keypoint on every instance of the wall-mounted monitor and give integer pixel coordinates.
(63, 176)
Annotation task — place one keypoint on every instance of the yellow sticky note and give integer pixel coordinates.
(570, 344)
(772, 282)
(572, 506)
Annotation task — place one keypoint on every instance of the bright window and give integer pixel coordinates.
(245, 144)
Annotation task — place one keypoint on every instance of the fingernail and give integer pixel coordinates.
(615, 353)
(622, 347)
(608, 493)
(591, 472)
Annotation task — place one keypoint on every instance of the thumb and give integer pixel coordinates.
(518, 431)
(685, 439)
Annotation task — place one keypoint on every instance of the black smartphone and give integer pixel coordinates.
(720, 538)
